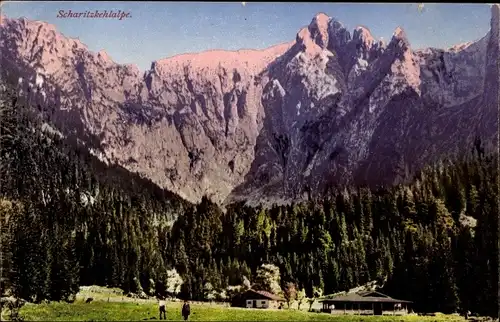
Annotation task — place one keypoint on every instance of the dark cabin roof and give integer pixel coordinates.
(364, 297)
(267, 295)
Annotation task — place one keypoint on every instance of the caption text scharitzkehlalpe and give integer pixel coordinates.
(120, 15)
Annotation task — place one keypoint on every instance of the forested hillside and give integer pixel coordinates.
(422, 237)
(69, 220)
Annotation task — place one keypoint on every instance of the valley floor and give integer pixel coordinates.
(100, 310)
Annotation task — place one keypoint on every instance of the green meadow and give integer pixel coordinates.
(111, 305)
(127, 311)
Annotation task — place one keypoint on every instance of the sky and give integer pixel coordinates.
(157, 30)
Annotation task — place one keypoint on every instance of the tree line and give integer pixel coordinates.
(433, 241)
(68, 220)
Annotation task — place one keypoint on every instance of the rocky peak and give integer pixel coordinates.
(256, 123)
(494, 37)
(363, 35)
(306, 43)
(379, 46)
(318, 29)
(492, 79)
(103, 54)
(339, 35)
(460, 47)
(363, 42)
(399, 38)
(399, 45)
(495, 21)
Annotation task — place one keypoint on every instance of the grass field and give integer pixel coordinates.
(110, 305)
(122, 311)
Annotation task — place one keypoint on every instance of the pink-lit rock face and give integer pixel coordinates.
(265, 125)
(190, 123)
(319, 30)
(364, 36)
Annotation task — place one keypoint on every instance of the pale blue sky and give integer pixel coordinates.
(158, 30)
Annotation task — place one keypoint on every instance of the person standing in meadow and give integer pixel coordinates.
(186, 310)
(162, 306)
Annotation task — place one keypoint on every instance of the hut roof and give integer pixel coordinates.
(364, 297)
(267, 295)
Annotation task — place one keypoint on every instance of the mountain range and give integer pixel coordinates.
(331, 107)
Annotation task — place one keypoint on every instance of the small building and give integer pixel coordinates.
(365, 303)
(258, 300)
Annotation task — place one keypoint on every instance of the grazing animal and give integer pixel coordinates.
(88, 300)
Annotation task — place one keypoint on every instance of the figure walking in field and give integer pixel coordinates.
(186, 310)
(162, 307)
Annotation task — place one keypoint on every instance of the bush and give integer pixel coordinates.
(14, 305)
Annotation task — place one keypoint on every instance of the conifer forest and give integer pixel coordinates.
(68, 219)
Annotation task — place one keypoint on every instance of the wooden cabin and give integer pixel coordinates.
(258, 300)
(365, 303)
